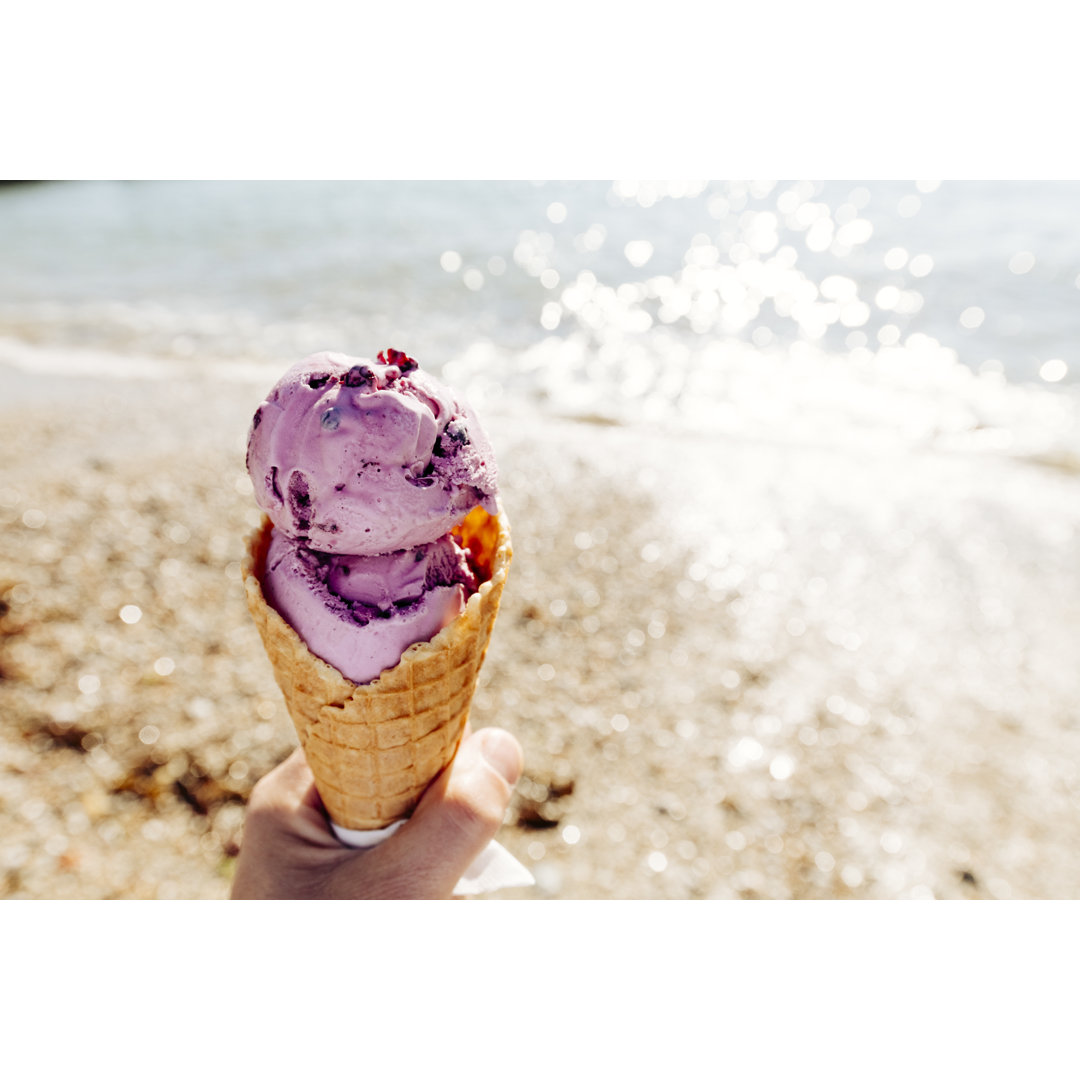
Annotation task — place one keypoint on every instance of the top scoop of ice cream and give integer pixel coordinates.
(365, 457)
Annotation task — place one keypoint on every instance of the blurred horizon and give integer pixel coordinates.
(836, 310)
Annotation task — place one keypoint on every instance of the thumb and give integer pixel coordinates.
(454, 821)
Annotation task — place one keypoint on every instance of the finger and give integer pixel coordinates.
(286, 800)
(457, 817)
(286, 784)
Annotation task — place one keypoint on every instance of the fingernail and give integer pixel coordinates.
(503, 753)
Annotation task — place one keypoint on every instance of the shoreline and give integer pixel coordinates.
(793, 672)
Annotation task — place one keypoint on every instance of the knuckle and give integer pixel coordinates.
(267, 804)
(471, 812)
(262, 794)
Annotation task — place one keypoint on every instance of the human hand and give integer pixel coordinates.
(290, 853)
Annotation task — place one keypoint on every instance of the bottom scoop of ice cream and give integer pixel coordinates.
(359, 613)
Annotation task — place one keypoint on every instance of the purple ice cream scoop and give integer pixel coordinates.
(360, 613)
(364, 468)
(365, 457)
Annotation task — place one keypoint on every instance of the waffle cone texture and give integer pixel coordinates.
(375, 748)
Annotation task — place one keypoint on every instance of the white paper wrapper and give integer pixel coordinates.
(494, 868)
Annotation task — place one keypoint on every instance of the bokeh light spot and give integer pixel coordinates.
(887, 297)
(550, 316)
(638, 252)
(1053, 371)
(1021, 262)
(896, 258)
(782, 766)
(921, 265)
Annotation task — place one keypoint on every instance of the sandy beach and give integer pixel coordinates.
(738, 669)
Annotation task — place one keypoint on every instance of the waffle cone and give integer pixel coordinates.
(375, 748)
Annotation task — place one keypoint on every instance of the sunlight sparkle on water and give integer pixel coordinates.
(921, 265)
(754, 289)
(1053, 370)
(1021, 262)
(855, 313)
(887, 297)
(855, 232)
(638, 252)
(896, 258)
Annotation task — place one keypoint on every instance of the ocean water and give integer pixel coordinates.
(929, 313)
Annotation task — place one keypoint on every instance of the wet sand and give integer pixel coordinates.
(738, 668)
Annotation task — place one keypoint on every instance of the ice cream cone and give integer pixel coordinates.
(375, 748)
